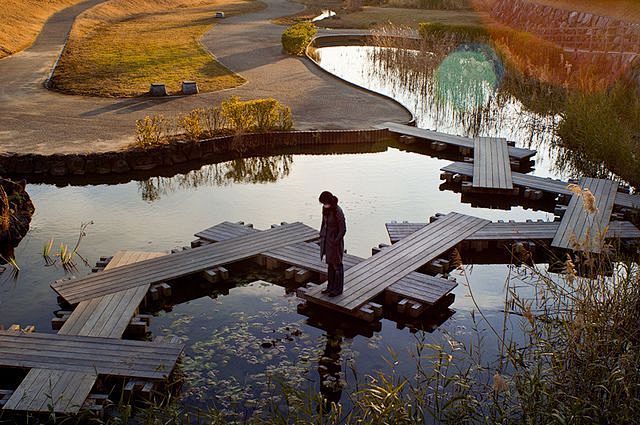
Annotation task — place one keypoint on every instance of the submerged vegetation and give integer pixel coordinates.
(233, 116)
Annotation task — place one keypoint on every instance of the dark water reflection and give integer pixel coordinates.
(224, 335)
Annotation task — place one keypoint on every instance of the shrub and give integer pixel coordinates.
(193, 124)
(297, 37)
(256, 115)
(151, 131)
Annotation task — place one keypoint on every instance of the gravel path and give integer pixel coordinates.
(36, 120)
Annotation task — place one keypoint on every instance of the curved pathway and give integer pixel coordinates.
(36, 120)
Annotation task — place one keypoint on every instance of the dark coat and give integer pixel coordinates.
(332, 234)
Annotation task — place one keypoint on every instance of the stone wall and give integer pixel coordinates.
(587, 37)
(180, 152)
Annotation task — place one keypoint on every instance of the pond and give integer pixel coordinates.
(467, 92)
(241, 344)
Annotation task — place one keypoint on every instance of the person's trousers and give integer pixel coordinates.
(335, 275)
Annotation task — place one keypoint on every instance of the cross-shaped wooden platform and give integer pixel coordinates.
(419, 287)
(368, 279)
(65, 391)
(157, 270)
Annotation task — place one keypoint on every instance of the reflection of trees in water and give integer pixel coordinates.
(268, 169)
(484, 105)
(520, 108)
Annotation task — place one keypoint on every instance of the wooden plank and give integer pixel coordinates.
(88, 354)
(369, 278)
(88, 314)
(307, 255)
(578, 224)
(65, 391)
(491, 165)
(542, 231)
(183, 263)
(421, 133)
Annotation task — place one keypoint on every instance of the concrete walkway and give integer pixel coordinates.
(36, 120)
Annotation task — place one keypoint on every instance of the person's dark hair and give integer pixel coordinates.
(328, 198)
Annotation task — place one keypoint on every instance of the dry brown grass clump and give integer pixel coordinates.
(22, 20)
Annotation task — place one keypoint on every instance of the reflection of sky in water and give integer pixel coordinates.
(499, 116)
(391, 185)
(226, 362)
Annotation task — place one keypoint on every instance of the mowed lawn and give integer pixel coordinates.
(119, 48)
(371, 16)
(22, 20)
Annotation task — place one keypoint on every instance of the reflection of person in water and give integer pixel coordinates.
(332, 234)
(329, 368)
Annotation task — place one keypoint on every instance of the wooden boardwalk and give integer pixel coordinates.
(516, 231)
(368, 279)
(102, 356)
(491, 166)
(65, 391)
(108, 316)
(157, 270)
(450, 139)
(580, 230)
(416, 286)
(552, 186)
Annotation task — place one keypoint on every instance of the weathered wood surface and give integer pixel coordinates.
(63, 391)
(542, 231)
(45, 390)
(581, 229)
(491, 165)
(109, 315)
(181, 264)
(542, 183)
(417, 286)
(450, 139)
(367, 279)
(104, 356)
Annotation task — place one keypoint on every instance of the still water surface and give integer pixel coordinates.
(226, 362)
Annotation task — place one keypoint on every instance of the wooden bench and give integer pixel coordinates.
(181, 264)
(581, 230)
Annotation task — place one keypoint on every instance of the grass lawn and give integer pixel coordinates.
(118, 48)
(371, 16)
(22, 20)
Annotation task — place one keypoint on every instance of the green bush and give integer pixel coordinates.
(296, 38)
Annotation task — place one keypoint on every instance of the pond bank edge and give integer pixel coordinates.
(170, 155)
(335, 40)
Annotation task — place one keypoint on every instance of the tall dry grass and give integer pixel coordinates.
(22, 20)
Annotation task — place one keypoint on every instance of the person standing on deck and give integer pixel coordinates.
(332, 234)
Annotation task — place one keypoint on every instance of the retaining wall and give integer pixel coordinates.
(587, 37)
(180, 152)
